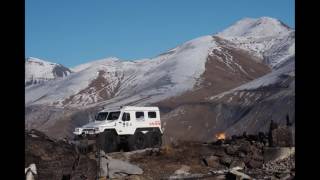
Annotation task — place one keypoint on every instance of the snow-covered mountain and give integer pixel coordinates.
(265, 37)
(249, 107)
(148, 80)
(200, 76)
(169, 74)
(38, 71)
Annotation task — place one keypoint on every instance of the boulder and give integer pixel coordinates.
(184, 170)
(255, 164)
(183, 173)
(256, 154)
(277, 153)
(282, 137)
(237, 163)
(114, 168)
(232, 150)
(245, 147)
(242, 155)
(211, 161)
(226, 160)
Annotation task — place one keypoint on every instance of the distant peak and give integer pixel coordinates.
(266, 18)
(262, 27)
(108, 59)
(263, 19)
(94, 63)
(34, 59)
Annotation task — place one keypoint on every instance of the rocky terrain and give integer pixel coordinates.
(247, 156)
(56, 159)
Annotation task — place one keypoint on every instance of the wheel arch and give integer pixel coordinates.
(111, 130)
(151, 129)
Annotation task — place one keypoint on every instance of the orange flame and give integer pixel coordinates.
(221, 136)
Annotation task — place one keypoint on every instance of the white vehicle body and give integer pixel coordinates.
(124, 120)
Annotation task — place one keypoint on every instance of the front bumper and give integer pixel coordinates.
(86, 131)
(77, 133)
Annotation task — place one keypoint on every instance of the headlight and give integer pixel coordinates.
(77, 130)
(96, 129)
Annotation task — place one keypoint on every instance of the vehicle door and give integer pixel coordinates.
(126, 124)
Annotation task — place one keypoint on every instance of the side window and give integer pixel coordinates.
(126, 117)
(101, 116)
(139, 115)
(152, 114)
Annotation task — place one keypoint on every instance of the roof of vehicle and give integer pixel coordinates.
(132, 108)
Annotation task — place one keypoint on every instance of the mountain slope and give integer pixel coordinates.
(194, 84)
(265, 37)
(165, 75)
(249, 107)
(39, 71)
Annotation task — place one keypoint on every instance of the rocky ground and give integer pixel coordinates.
(223, 160)
(56, 159)
(246, 157)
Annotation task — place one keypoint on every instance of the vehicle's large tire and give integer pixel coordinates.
(111, 141)
(76, 137)
(137, 141)
(154, 139)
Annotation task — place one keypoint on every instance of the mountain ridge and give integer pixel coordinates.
(201, 76)
(39, 71)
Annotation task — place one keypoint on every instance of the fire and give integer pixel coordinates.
(221, 136)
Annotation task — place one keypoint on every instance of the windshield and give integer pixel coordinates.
(114, 115)
(101, 116)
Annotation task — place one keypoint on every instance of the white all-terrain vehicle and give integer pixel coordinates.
(136, 127)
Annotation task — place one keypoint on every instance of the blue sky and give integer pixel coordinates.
(72, 32)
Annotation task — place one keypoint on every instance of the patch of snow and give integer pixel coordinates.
(266, 80)
(265, 37)
(140, 81)
(40, 70)
(260, 27)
